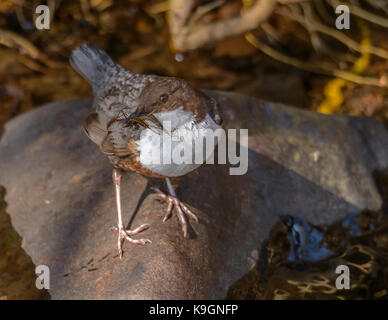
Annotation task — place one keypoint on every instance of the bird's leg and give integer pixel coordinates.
(124, 234)
(173, 202)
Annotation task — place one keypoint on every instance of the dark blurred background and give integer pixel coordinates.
(34, 65)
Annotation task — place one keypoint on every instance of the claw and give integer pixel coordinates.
(181, 210)
(124, 234)
(169, 211)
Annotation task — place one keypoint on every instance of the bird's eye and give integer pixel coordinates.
(163, 98)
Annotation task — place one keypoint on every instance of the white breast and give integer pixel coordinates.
(186, 134)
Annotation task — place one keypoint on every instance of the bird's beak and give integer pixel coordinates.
(147, 120)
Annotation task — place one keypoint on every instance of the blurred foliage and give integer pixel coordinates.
(34, 65)
(333, 90)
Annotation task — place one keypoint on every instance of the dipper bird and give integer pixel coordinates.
(130, 111)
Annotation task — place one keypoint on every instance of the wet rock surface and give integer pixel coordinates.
(61, 199)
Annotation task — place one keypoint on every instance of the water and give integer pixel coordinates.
(299, 260)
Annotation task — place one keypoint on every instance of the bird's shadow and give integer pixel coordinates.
(143, 196)
(152, 182)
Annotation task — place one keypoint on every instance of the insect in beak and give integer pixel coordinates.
(135, 117)
(144, 119)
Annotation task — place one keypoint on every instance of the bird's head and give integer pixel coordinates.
(136, 99)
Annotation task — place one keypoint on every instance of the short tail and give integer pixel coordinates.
(92, 62)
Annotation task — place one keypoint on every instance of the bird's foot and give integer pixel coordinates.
(181, 209)
(124, 234)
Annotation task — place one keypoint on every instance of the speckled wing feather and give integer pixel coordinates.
(117, 139)
(112, 138)
(94, 129)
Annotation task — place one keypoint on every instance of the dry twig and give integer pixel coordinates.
(340, 36)
(382, 82)
(189, 37)
(13, 40)
(364, 14)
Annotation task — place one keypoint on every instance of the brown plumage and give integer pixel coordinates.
(128, 107)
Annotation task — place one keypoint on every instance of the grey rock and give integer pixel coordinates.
(61, 199)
